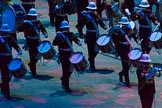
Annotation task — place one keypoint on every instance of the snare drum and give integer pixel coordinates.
(156, 39)
(46, 50)
(104, 43)
(17, 68)
(79, 62)
(13, 15)
(134, 56)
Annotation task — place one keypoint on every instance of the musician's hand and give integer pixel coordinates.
(20, 52)
(156, 22)
(46, 35)
(79, 44)
(25, 47)
(138, 42)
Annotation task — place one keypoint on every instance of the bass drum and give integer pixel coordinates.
(17, 68)
(13, 15)
(105, 44)
(79, 62)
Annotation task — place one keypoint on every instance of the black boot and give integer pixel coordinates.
(120, 77)
(127, 81)
(63, 82)
(92, 66)
(33, 69)
(52, 21)
(6, 92)
(67, 87)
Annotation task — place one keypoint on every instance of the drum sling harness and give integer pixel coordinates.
(66, 39)
(35, 29)
(86, 14)
(147, 20)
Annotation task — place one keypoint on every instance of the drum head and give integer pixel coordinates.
(44, 47)
(8, 17)
(135, 54)
(15, 64)
(155, 36)
(103, 40)
(76, 58)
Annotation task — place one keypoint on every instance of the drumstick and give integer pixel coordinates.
(107, 30)
(156, 27)
(139, 42)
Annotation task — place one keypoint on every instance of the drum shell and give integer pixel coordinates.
(50, 53)
(134, 56)
(81, 65)
(106, 48)
(17, 72)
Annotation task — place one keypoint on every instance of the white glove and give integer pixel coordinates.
(79, 43)
(46, 35)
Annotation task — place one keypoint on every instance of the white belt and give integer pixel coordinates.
(91, 30)
(124, 43)
(145, 26)
(28, 3)
(32, 37)
(65, 49)
(62, 15)
(5, 54)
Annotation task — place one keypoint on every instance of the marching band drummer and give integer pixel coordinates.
(123, 45)
(62, 9)
(145, 18)
(6, 43)
(92, 33)
(146, 82)
(32, 28)
(64, 40)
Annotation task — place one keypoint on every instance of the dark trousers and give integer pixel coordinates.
(144, 34)
(67, 68)
(92, 48)
(123, 51)
(6, 77)
(81, 23)
(146, 99)
(125, 68)
(33, 52)
(51, 12)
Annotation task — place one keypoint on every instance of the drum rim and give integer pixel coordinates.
(12, 62)
(129, 54)
(159, 34)
(70, 59)
(45, 41)
(106, 37)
